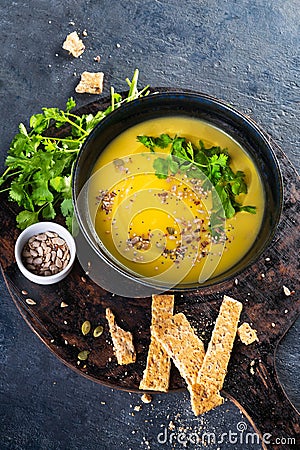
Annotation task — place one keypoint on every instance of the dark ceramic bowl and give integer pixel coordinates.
(190, 104)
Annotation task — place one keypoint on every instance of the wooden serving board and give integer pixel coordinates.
(251, 382)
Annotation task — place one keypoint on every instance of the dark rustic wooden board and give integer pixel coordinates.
(259, 288)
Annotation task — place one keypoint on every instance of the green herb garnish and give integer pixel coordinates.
(39, 166)
(194, 161)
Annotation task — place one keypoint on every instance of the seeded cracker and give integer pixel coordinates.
(205, 393)
(247, 334)
(122, 341)
(90, 83)
(182, 345)
(157, 373)
(74, 44)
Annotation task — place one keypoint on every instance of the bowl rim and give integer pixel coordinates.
(160, 93)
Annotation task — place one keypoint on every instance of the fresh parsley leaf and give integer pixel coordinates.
(26, 218)
(48, 212)
(61, 184)
(173, 165)
(161, 167)
(151, 142)
(67, 207)
(239, 186)
(226, 201)
(249, 209)
(40, 193)
(70, 104)
(162, 141)
(147, 142)
(178, 148)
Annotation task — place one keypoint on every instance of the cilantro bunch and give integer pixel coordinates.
(39, 166)
(194, 161)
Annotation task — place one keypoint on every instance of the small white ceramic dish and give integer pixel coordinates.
(42, 227)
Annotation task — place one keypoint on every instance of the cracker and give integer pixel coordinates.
(90, 83)
(213, 371)
(74, 44)
(122, 341)
(201, 404)
(182, 345)
(247, 334)
(156, 375)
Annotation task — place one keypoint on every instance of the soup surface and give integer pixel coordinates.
(161, 228)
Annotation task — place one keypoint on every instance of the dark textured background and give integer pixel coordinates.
(244, 52)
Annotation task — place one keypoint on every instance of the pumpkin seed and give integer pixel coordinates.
(98, 331)
(30, 301)
(86, 327)
(82, 356)
(171, 230)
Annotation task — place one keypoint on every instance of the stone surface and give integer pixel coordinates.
(246, 53)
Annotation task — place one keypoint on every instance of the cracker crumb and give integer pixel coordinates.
(84, 33)
(138, 408)
(273, 324)
(251, 370)
(247, 334)
(73, 44)
(97, 58)
(171, 425)
(90, 83)
(146, 398)
(286, 291)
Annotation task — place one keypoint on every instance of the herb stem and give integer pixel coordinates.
(75, 125)
(6, 171)
(112, 94)
(56, 139)
(133, 85)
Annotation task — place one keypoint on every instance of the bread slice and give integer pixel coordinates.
(181, 343)
(73, 44)
(247, 334)
(122, 341)
(205, 393)
(156, 375)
